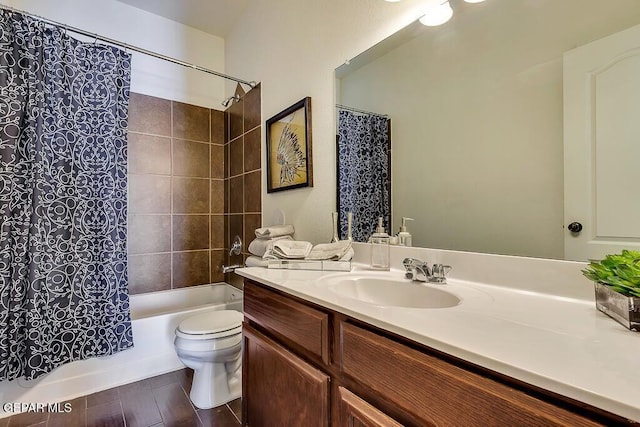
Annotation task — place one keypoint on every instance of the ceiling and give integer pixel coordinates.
(215, 17)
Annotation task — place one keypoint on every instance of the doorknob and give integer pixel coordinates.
(575, 227)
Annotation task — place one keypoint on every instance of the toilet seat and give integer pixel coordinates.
(217, 324)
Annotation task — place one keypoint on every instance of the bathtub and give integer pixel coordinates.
(154, 318)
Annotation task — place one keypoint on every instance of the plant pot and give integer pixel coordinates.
(625, 310)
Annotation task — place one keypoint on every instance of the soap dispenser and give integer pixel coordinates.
(380, 248)
(404, 237)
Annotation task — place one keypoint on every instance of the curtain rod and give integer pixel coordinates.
(355, 110)
(126, 46)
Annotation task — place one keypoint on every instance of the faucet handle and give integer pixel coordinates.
(439, 273)
(236, 246)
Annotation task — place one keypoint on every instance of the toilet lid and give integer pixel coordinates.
(216, 322)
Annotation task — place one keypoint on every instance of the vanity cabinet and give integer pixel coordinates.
(306, 365)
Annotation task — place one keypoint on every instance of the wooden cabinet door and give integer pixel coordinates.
(355, 412)
(279, 388)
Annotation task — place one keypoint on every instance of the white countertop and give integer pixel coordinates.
(559, 344)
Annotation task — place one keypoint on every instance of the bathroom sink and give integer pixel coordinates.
(390, 292)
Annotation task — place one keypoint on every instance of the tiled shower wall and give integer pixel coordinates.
(244, 174)
(178, 210)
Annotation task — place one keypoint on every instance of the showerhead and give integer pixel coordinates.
(230, 100)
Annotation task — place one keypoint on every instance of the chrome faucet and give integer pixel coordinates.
(419, 271)
(236, 249)
(416, 269)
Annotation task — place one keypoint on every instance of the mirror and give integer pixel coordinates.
(476, 113)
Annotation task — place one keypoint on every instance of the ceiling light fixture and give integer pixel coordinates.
(471, 1)
(437, 15)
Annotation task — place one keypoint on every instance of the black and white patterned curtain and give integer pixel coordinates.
(63, 198)
(364, 180)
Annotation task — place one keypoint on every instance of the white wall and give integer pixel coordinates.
(293, 47)
(134, 26)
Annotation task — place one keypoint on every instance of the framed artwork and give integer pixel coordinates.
(289, 162)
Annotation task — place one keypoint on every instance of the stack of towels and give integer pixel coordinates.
(276, 242)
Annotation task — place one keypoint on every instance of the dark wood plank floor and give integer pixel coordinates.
(161, 401)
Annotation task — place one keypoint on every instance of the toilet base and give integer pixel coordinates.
(212, 386)
(215, 384)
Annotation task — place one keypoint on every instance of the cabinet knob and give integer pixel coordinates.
(575, 227)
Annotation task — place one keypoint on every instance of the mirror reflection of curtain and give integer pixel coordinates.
(364, 172)
(63, 198)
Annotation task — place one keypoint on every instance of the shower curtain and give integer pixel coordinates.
(63, 198)
(364, 172)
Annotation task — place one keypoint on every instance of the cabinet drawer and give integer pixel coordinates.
(437, 391)
(355, 412)
(303, 327)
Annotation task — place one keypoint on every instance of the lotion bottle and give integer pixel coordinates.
(404, 237)
(380, 252)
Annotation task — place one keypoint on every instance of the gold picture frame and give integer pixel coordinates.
(289, 160)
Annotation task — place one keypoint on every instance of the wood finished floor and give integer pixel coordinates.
(161, 401)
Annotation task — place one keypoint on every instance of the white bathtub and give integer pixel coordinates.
(154, 319)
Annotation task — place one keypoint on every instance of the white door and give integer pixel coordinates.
(602, 146)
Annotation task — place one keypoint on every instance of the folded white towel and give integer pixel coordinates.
(348, 256)
(330, 251)
(291, 249)
(258, 247)
(287, 249)
(275, 231)
(254, 261)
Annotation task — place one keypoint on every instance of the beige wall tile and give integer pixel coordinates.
(217, 196)
(149, 234)
(252, 192)
(236, 159)
(235, 115)
(149, 154)
(148, 114)
(191, 158)
(217, 260)
(190, 122)
(252, 110)
(217, 161)
(190, 195)
(149, 194)
(190, 232)
(190, 268)
(252, 150)
(217, 127)
(235, 194)
(217, 232)
(149, 273)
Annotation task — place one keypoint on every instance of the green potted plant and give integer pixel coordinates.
(617, 287)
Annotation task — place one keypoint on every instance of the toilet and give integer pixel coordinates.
(210, 344)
